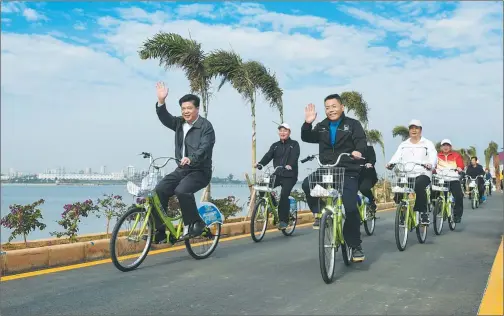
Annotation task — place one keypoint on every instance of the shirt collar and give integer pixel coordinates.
(192, 122)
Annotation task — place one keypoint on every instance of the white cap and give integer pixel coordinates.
(415, 122)
(284, 125)
(446, 141)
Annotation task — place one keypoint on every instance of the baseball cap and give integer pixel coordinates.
(284, 125)
(415, 123)
(446, 141)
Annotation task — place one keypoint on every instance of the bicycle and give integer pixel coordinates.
(406, 219)
(327, 183)
(474, 192)
(488, 192)
(266, 184)
(367, 218)
(140, 213)
(443, 205)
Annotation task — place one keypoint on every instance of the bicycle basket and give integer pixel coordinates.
(472, 183)
(265, 181)
(326, 182)
(142, 186)
(401, 182)
(439, 183)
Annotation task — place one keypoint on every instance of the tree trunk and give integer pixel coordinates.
(108, 223)
(252, 107)
(26, 244)
(207, 193)
(252, 196)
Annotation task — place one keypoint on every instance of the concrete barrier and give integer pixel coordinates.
(50, 255)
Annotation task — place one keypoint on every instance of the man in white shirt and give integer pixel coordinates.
(420, 155)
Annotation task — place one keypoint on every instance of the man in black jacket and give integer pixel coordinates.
(368, 177)
(338, 134)
(284, 153)
(474, 170)
(194, 142)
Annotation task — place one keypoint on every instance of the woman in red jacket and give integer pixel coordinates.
(448, 159)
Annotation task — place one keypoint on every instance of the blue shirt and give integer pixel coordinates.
(333, 127)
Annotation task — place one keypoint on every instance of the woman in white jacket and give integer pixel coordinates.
(422, 153)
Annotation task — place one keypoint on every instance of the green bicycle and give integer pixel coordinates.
(326, 183)
(443, 205)
(134, 242)
(474, 193)
(367, 218)
(406, 218)
(267, 205)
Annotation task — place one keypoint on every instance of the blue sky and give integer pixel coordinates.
(436, 61)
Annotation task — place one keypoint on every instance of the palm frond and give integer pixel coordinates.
(375, 137)
(438, 146)
(266, 82)
(354, 102)
(401, 131)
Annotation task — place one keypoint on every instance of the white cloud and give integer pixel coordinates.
(108, 104)
(32, 15)
(79, 26)
(196, 9)
(137, 14)
(12, 7)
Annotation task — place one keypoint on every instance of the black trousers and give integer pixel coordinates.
(365, 186)
(421, 182)
(183, 183)
(351, 228)
(287, 183)
(456, 191)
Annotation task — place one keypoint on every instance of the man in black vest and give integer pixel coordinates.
(194, 142)
(284, 153)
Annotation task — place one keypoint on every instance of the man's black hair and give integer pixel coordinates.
(474, 157)
(333, 96)
(194, 99)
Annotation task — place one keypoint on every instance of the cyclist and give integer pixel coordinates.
(337, 134)
(488, 177)
(449, 159)
(284, 153)
(474, 170)
(368, 177)
(420, 150)
(194, 142)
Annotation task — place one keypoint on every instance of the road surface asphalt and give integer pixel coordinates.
(280, 275)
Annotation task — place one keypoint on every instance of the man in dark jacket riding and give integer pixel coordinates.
(368, 177)
(338, 134)
(194, 142)
(284, 153)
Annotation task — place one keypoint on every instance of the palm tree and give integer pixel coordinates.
(401, 131)
(438, 146)
(173, 50)
(471, 152)
(375, 137)
(247, 78)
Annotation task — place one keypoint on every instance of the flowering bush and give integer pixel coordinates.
(299, 196)
(23, 219)
(110, 206)
(228, 206)
(71, 217)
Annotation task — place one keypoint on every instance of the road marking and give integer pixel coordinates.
(152, 252)
(492, 302)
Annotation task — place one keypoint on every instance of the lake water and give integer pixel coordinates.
(56, 196)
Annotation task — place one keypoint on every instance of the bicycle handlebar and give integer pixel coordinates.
(392, 165)
(151, 160)
(311, 157)
(259, 167)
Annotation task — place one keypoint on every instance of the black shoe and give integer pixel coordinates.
(282, 225)
(316, 223)
(160, 236)
(424, 219)
(197, 228)
(358, 254)
(372, 208)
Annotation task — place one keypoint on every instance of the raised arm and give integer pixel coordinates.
(164, 116)
(309, 134)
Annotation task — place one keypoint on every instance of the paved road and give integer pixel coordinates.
(280, 275)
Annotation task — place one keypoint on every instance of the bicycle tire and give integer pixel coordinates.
(438, 209)
(289, 232)
(399, 245)
(369, 231)
(210, 251)
(252, 221)
(418, 228)
(327, 276)
(115, 232)
(451, 219)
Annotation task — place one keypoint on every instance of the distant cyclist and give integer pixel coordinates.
(449, 159)
(368, 177)
(474, 170)
(420, 150)
(488, 177)
(284, 153)
(338, 134)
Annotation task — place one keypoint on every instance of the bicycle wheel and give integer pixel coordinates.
(421, 232)
(401, 225)
(451, 218)
(437, 216)
(346, 251)
(292, 224)
(211, 234)
(369, 221)
(474, 199)
(125, 245)
(327, 247)
(261, 213)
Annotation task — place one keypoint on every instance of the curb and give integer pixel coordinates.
(31, 259)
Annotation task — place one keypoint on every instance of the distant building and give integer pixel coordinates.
(78, 176)
(103, 170)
